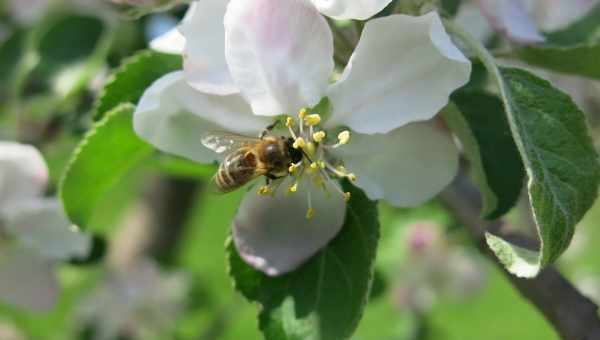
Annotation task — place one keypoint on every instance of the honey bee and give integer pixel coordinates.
(249, 158)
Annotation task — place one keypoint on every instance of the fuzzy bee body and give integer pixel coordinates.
(237, 169)
(268, 156)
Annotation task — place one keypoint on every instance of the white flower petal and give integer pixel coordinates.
(27, 280)
(395, 79)
(350, 9)
(470, 18)
(171, 42)
(41, 225)
(511, 18)
(172, 116)
(23, 173)
(557, 14)
(204, 54)
(280, 53)
(273, 235)
(406, 167)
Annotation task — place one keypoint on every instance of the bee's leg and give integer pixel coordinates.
(271, 177)
(268, 129)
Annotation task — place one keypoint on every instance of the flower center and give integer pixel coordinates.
(317, 164)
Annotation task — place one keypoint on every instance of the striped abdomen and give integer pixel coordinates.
(237, 169)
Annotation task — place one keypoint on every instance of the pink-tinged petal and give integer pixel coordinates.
(41, 225)
(273, 235)
(556, 14)
(280, 53)
(394, 79)
(27, 280)
(350, 9)
(173, 117)
(405, 167)
(171, 42)
(23, 173)
(510, 17)
(204, 53)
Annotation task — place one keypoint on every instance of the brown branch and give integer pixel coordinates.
(573, 316)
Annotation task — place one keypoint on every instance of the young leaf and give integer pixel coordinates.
(552, 137)
(106, 153)
(478, 120)
(574, 49)
(325, 298)
(133, 77)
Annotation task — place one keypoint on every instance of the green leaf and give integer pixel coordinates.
(107, 152)
(450, 7)
(479, 122)
(559, 158)
(573, 50)
(133, 77)
(70, 48)
(562, 165)
(183, 168)
(325, 298)
(12, 52)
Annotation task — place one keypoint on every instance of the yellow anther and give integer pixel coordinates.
(289, 122)
(292, 168)
(347, 196)
(299, 143)
(264, 190)
(303, 112)
(312, 120)
(319, 136)
(293, 188)
(310, 213)
(351, 177)
(314, 166)
(322, 164)
(341, 168)
(344, 137)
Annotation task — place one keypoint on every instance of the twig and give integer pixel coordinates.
(573, 316)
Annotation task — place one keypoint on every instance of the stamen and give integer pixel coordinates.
(293, 167)
(341, 171)
(299, 143)
(319, 136)
(264, 190)
(310, 213)
(289, 122)
(347, 196)
(344, 137)
(314, 166)
(312, 120)
(293, 188)
(302, 113)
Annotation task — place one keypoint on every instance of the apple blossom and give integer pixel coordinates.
(34, 231)
(276, 59)
(138, 301)
(435, 268)
(521, 20)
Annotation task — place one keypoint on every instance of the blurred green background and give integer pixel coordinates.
(53, 64)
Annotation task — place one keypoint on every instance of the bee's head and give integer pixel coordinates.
(295, 154)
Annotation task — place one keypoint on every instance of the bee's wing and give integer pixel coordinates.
(220, 141)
